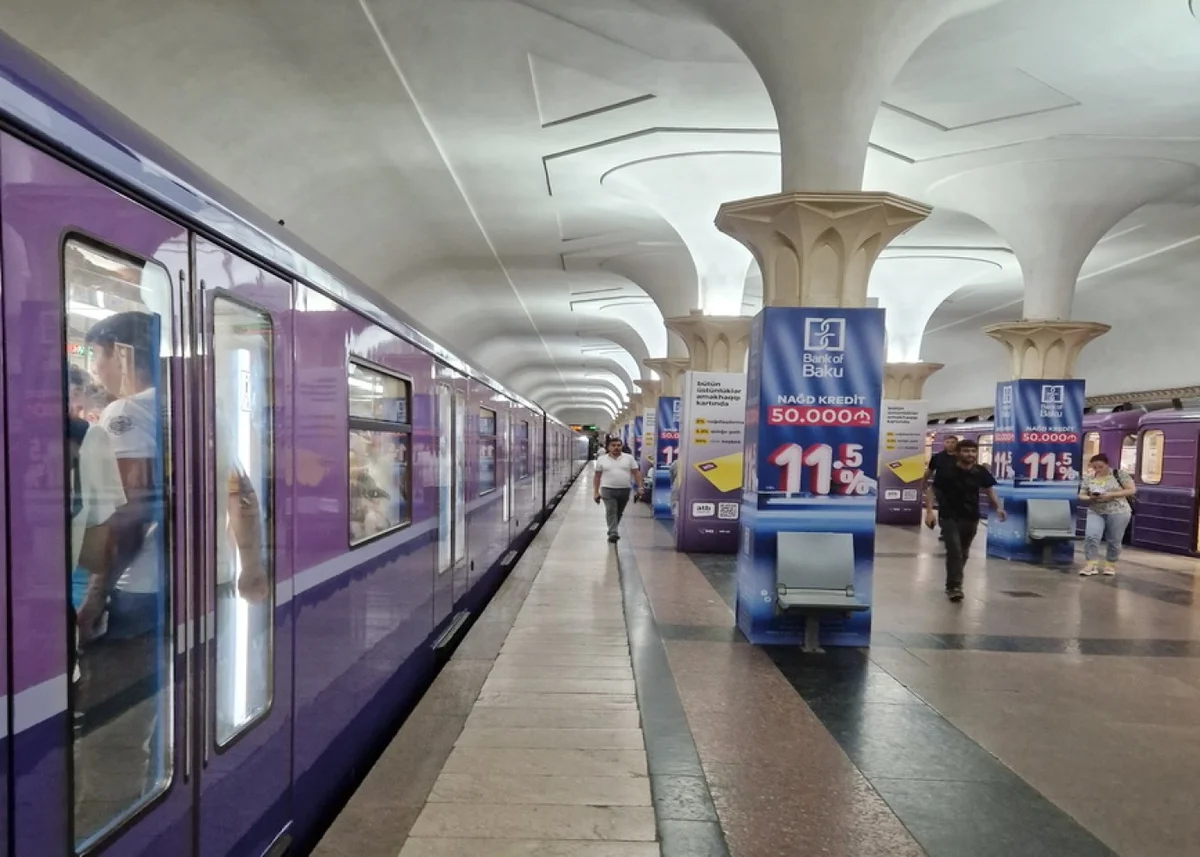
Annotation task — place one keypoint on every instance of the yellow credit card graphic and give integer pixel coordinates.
(909, 469)
(725, 473)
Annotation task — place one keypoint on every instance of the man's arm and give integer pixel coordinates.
(995, 503)
(596, 480)
(245, 520)
(637, 478)
(930, 515)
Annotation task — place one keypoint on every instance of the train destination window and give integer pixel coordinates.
(117, 433)
(487, 451)
(380, 452)
(1152, 457)
(1091, 445)
(245, 580)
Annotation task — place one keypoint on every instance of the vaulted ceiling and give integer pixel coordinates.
(535, 180)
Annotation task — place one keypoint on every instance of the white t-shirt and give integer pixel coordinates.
(615, 472)
(100, 488)
(132, 426)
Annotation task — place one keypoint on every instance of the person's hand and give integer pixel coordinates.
(596, 497)
(88, 614)
(253, 584)
(931, 519)
(1102, 498)
(1001, 515)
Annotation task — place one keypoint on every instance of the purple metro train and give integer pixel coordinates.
(1160, 449)
(245, 506)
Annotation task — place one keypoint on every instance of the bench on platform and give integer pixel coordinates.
(1049, 522)
(814, 574)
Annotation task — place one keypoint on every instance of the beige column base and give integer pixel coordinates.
(670, 370)
(716, 343)
(906, 381)
(817, 249)
(1045, 349)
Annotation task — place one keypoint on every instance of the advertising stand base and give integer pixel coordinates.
(807, 538)
(1036, 456)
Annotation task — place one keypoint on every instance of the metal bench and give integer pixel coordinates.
(1048, 522)
(814, 573)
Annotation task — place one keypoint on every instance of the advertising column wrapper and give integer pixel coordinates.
(666, 450)
(635, 439)
(1036, 455)
(712, 424)
(812, 451)
(902, 462)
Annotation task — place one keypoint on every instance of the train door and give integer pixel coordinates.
(5, 639)
(452, 510)
(242, 394)
(101, 734)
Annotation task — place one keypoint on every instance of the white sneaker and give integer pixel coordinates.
(1109, 569)
(1089, 570)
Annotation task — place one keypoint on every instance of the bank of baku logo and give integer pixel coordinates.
(1006, 395)
(1053, 394)
(825, 334)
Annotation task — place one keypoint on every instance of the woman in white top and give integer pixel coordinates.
(1105, 491)
(615, 471)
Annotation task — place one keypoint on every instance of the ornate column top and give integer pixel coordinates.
(1045, 349)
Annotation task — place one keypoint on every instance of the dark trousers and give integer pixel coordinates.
(958, 535)
(615, 500)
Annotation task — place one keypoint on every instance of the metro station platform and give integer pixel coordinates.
(605, 705)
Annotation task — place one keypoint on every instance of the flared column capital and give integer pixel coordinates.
(670, 370)
(817, 249)
(650, 391)
(1045, 349)
(906, 381)
(716, 343)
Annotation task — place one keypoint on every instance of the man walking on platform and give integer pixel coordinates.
(957, 483)
(943, 456)
(615, 471)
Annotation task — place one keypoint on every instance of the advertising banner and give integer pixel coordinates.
(901, 462)
(649, 435)
(635, 443)
(710, 469)
(665, 453)
(815, 385)
(1036, 455)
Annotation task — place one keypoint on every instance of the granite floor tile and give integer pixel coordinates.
(558, 660)
(547, 762)
(557, 700)
(683, 838)
(545, 672)
(526, 848)
(455, 689)
(577, 649)
(515, 821)
(532, 738)
(408, 768)
(558, 685)
(484, 717)
(367, 831)
(540, 789)
(682, 798)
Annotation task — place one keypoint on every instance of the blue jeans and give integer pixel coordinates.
(1108, 528)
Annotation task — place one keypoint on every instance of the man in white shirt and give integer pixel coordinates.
(614, 471)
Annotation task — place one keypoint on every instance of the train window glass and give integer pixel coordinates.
(118, 327)
(521, 450)
(487, 451)
(985, 450)
(1129, 454)
(445, 416)
(1152, 457)
(1091, 445)
(508, 466)
(460, 504)
(244, 583)
(380, 453)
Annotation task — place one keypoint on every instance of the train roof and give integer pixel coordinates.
(42, 101)
(1169, 417)
(1113, 420)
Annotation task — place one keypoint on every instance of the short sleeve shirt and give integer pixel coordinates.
(100, 490)
(132, 426)
(957, 490)
(1091, 484)
(615, 472)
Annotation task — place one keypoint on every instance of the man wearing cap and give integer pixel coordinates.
(614, 470)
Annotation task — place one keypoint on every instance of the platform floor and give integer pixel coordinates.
(605, 705)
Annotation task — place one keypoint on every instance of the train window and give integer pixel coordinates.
(118, 323)
(380, 453)
(521, 450)
(487, 451)
(1152, 457)
(985, 450)
(1129, 453)
(1091, 445)
(244, 585)
(460, 480)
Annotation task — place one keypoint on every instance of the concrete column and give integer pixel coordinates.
(1045, 349)
(650, 390)
(906, 381)
(670, 370)
(716, 343)
(817, 249)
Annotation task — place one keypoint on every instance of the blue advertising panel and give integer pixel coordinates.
(812, 456)
(665, 453)
(636, 438)
(1036, 455)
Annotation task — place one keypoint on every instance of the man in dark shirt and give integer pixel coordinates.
(957, 484)
(942, 457)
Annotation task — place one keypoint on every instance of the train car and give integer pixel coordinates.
(1114, 434)
(1168, 467)
(245, 504)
